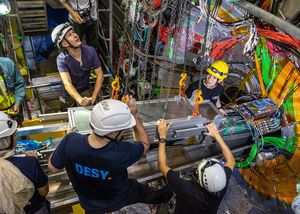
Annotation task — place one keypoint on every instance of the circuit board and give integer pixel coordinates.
(258, 109)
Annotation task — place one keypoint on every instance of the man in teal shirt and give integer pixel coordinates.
(12, 86)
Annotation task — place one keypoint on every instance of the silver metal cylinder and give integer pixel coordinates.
(285, 26)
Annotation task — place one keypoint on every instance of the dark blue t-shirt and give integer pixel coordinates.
(80, 74)
(208, 94)
(192, 198)
(99, 176)
(31, 168)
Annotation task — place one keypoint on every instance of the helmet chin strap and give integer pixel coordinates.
(116, 138)
(110, 138)
(70, 45)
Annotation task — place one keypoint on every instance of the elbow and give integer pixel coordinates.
(233, 161)
(43, 191)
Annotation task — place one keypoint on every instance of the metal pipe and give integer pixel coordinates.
(54, 116)
(270, 18)
(111, 36)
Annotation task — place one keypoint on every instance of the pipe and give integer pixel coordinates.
(270, 18)
(111, 36)
(53, 116)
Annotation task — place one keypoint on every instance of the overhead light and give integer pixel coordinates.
(4, 7)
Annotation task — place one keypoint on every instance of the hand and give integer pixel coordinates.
(93, 100)
(162, 128)
(212, 130)
(16, 108)
(222, 111)
(77, 18)
(70, 129)
(30, 153)
(85, 101)
(131, 103)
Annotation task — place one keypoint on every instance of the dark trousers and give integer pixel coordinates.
(90, 30)
(68, 101)
(141, 193)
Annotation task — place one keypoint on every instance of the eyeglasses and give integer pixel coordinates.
(217, 71)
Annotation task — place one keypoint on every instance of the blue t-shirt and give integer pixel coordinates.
(80, 74)
(31, 168)
(208, 94)
(99, 176)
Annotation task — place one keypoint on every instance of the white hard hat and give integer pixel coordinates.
(59, 33)
(212, 176)
(8, 126)
(111, 115)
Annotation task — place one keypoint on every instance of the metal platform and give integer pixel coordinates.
(178, 113)
(181, 154)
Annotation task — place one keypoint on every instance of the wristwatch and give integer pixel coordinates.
(162, 140)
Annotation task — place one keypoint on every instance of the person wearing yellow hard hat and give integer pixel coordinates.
(211, 85)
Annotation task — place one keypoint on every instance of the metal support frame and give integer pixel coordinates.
(110, 36)
(270, 18)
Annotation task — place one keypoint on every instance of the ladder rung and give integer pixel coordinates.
(32, 19)
(30, 13)
(103, 10)
(30, 4)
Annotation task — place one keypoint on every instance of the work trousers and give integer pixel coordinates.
(68, 101)
(141, 193)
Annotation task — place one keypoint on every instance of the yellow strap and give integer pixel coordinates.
(283, 83)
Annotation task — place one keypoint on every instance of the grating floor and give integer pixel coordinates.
(239, 199)
(234, 201)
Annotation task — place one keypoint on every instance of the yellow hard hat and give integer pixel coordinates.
(218, 69)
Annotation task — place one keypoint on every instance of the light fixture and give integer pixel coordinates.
(4, 7)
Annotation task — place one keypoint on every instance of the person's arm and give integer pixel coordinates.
(56, 161)
(219, 107)
(19, 86)
(43, 191)
(138, 130)
(162, 159)
(213, 132)
(41, 180)
(74, 14)
(66, 79)
(51, 168)
(98, 84)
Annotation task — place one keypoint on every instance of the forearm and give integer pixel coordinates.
(140, 133)
(98, 85)
(20, 87)
(68, 7)
(162, 159)
(225, 150)
(51, 168)
(218, 103)
(19, 96)
(73, 92)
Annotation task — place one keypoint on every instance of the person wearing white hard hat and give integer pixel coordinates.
(97, 163)
(23, 183)
(75, 63)
(205, 192)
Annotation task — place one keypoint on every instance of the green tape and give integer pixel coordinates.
(249, 160)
